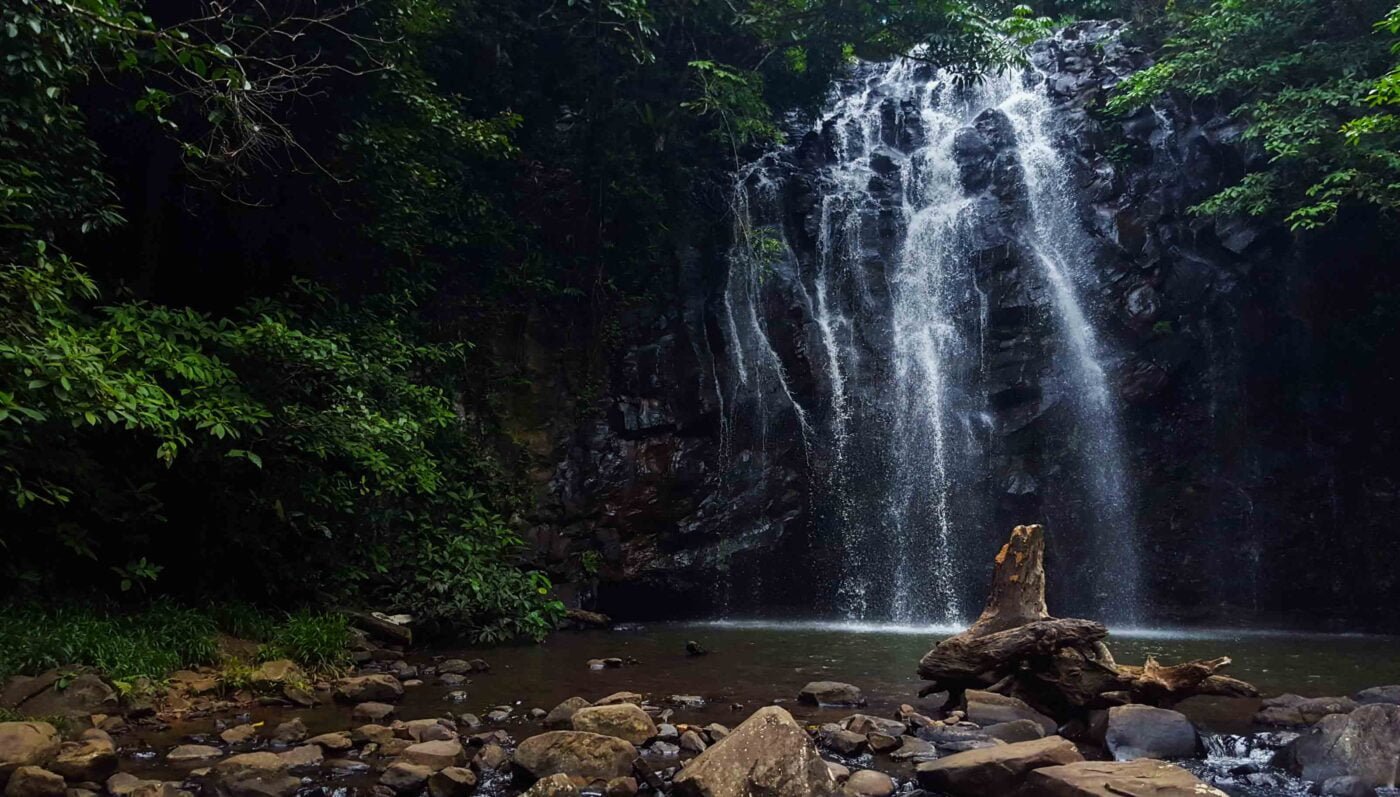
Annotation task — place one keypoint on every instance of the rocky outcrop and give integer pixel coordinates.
(767, 754)
(1141, 778)
(1223, 340)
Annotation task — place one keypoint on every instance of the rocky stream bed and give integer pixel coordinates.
(781, 714)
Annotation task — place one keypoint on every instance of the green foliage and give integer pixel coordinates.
(123, 645)
(317, 641)
(1315, 84)
(736, 98)
(261, 385)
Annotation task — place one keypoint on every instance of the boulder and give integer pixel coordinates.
(492, 756)
(290, 732)
(590, 756)
(623, 720)
(553, 786)
(252, 775)
(1364, 744)
(990, 708)
(452, 782)
(404, 777)
(338, 741)
(620, 697)
(372, 711)
(882, 742)
(370, 732)
(454, 667)
(562, 715)
(716, 731)
(994, 770)
(70, 692)
(1015, 731)
(914, 749)
(692, 742)
(303, 759)
(830, 693)
(868, 783)
(435, 756)
(26, 744)
(1141, 778)
(276, 673)
(426, 730)
(1290, 709)
(187, 753)
(864, 723)
(768, 754)
(368, 688)
(1346, 786)
(1378, 694)
(35, 782)
(621, 787)
(1136, 731)
(239, 734)
(91, 759)
(846, 743)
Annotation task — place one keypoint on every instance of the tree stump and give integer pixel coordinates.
(1060, 667)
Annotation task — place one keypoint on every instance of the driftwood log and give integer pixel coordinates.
(1061, 667)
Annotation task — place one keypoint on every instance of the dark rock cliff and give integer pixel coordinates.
(1254, 368)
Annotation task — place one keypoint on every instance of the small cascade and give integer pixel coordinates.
(891, 274)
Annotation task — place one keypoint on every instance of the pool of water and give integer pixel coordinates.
(755, 663)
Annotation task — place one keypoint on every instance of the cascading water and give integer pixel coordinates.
(859, 306)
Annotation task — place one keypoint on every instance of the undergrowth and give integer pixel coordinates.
(154, 640)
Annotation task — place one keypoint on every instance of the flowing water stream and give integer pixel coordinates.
(884, 376)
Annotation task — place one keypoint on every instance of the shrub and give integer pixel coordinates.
(316, 641)
(123, 645)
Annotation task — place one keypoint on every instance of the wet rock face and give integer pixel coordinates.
(1254, 425)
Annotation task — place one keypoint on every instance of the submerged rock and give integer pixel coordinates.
(768, 754)
(562, 716)
(831, 693)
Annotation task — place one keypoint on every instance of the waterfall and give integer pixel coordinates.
(867, 307)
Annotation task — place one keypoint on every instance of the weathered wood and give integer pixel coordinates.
(966, 657)
(1060, 667)
(1017, 596)
(1162, 685)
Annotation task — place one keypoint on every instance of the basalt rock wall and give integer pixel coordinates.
(1252, 368)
